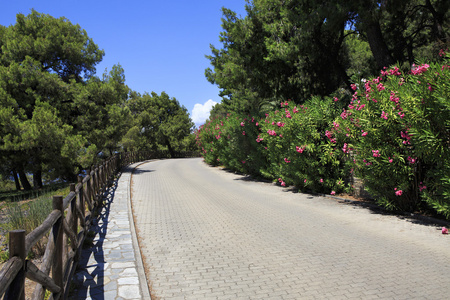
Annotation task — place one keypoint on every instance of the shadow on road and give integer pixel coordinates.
(141, 171)
(369, 204)
(88, 281)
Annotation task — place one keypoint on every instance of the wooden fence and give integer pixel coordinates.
(68, 225)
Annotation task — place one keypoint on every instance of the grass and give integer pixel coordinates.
(9, 195)
(4, 256)
(31, 214)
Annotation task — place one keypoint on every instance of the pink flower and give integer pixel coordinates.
(299, 150)
(344, 114)
(411, 160)
(398, 193)
(390, 160)
(257, 124)
(271, 132)
(243, 161)
(417, 70)
(376, 153)
(283, 183)
(363, 133)
(384, 115)
(353, 86)
(321, 180)
(243, 132)
(345, 148)
(335, 99)
(242, 123)
(295, 110)
(333, 193)
(286, 160)
(444, 230)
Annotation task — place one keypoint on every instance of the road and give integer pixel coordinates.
(205, 233)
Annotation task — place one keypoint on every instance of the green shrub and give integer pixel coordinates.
(299, 151)
(398, 126)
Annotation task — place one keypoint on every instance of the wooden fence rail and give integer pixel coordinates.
(67, 225)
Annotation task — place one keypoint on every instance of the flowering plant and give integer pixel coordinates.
(399, 126)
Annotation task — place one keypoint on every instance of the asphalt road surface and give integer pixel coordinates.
(205, 233)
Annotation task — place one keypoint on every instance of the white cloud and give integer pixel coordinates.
(201, 112)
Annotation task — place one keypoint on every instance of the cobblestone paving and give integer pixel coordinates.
(209, 234)
(112, 268)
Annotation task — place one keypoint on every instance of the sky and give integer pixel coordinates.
(160, 44)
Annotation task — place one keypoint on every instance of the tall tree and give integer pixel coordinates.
(43, 63)
(161, 123)
(99, 112)
(292, 49)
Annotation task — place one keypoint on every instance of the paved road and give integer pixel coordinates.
(209, 234)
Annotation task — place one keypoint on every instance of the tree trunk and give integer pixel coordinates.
(169, 147)
(376, 41)
(16, 180)
(438, 20)
(24, 180)
(37, 179)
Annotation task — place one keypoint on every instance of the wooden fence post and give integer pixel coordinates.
(16, 289)
(74, 222)
(57, 263)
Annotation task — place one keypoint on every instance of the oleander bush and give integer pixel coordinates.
(394, 134)
(398, 127)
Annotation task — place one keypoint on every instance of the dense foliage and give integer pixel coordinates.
(297, 48)
(57, 117)
(399, 127)
(394, 135)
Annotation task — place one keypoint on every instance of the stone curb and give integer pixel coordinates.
(137, 251)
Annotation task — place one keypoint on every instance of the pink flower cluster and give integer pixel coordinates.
(281, 182)
(286, 160)
(422, 186)
(376, 153)
(394, 71)
(288, 114)
(398, 192)
(384, 115)
(406, 136)
(417, 70)
(329, 135)
(300, 149)
(345, 148)
(412, 160)
(271, 132)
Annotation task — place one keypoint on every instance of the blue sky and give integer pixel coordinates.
(160, 44)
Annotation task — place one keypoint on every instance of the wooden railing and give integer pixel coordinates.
(68, 225)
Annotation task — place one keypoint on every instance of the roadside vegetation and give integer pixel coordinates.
(315, 93)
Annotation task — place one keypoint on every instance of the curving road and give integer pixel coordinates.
(205, 233)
